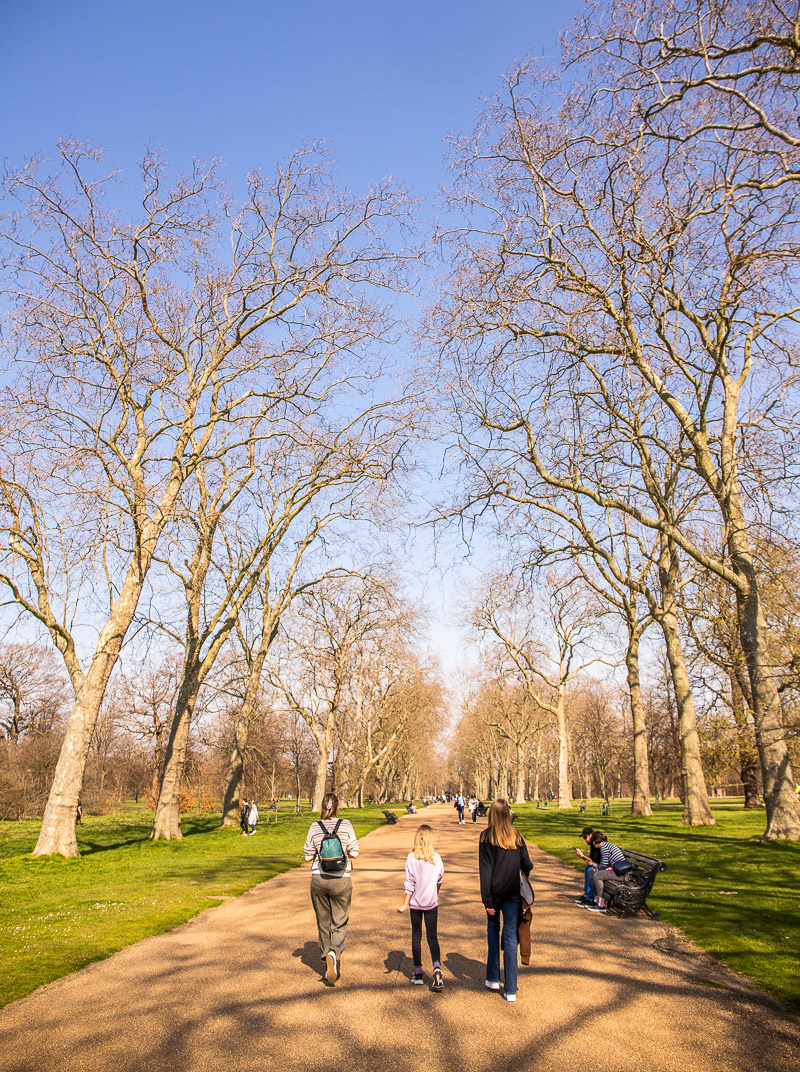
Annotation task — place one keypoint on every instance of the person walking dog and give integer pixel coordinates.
(502, 855)
(331, 844)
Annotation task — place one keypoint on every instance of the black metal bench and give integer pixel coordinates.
(628, 894)
(390, 817)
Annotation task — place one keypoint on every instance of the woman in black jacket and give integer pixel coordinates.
(502, 854)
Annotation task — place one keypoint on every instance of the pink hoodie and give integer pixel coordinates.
(422, 881)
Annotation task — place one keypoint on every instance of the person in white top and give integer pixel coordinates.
(252, 818)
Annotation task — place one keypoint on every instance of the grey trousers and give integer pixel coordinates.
(598, 879)
(331, 900)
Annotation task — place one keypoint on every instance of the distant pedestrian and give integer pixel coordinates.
(252, 818)
(502, 854)
(460, 807)
(473, 809)
(244, 813)
(424, 874)
(330, 846)
(78, 814)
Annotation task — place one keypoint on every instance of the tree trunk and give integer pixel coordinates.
(321, 779)
(564, 787)
(640, 803)
(57, 834)
(167, 819)
(783, 808)
(696, 810)
(536, 768)
(233, 783)
(748, 757)
(519, 793)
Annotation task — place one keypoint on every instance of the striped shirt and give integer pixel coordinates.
(346, 835)
(609, 855)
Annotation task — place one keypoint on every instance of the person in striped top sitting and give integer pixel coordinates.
(604, 869)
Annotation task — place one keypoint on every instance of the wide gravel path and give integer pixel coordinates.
(239, 988)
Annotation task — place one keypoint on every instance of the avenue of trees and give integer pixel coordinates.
(618, 333)
(203, 447)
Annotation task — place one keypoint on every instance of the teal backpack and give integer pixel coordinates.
(331, 854)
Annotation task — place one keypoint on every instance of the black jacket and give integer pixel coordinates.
(499, 871)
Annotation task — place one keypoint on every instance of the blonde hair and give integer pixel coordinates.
(424, 848)
(500, 830)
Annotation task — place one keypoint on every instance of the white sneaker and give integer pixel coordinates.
(332, 974)
(510, 997)
(491, 986)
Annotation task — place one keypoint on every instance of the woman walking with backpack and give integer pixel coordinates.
(330, 846)
(502, 854)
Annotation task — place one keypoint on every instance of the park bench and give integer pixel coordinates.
(390, 817)
(627, 894)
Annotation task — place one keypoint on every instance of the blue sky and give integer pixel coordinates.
(384, 83)
(248, 81)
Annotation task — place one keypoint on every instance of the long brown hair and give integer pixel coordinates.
(500, 830)
(330, 806)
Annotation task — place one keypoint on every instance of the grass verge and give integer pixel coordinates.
(736, 898)
(58, 915)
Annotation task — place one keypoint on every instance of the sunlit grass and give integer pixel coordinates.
(58, 915)
(735, 897)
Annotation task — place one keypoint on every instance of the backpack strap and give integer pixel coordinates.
(325, 831)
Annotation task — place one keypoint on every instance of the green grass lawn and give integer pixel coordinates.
(58, 915)
(736, 898)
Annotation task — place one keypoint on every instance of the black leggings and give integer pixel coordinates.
(431, 917)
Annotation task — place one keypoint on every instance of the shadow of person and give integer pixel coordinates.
(393, 961)
(309, 956)
(464, 968)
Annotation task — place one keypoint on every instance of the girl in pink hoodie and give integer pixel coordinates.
(424, 874)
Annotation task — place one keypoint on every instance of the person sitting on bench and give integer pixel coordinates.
(609, 855)
(591, 861)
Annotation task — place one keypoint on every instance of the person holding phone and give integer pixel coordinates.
(610, 856)
(592, 860)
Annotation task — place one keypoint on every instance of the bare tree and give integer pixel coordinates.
(329, 624)
(638, 289)
(147, 696)
(597, 732)
(305, 486)
(138, 348)
(547, 652)
(33, 690)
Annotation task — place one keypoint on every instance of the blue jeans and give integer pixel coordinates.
(509, 909)
(588, 888)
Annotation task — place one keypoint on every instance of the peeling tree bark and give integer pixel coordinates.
(696, 810)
